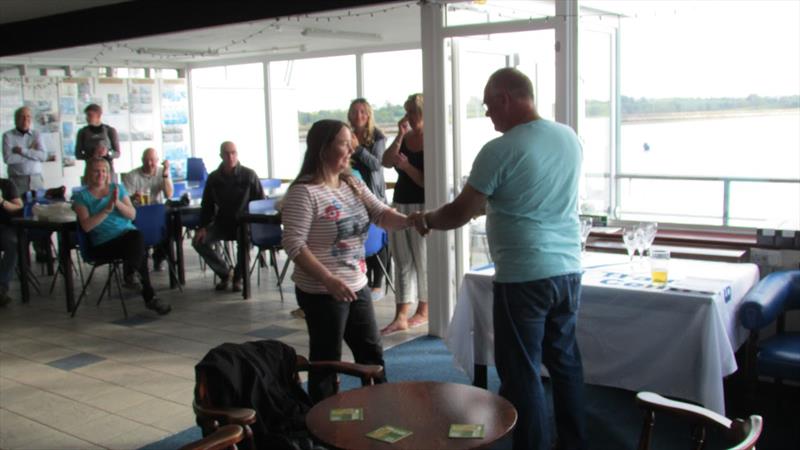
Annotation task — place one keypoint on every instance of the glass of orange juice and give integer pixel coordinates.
(659, 266)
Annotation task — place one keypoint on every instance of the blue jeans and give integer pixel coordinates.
(534, 323)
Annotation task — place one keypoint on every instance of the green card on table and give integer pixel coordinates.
(389, 434)
(347, 414)
(467, 431)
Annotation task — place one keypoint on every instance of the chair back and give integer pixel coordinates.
(178, 188)
(376, 240)
(742, 434)
(196, 171)
(196, 192)
(83, 243)
(264, 235)
(270, 183)
(151, 220)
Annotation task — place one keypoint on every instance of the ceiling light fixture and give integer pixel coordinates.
(176, 52)
(337, 34)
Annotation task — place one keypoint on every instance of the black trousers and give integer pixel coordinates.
(329, 322)
(129, 247)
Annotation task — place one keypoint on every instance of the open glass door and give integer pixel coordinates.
(473, 59)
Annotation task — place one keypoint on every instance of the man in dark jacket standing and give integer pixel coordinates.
(228, 192)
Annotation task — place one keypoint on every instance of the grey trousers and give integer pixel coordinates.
(25, 183)
(410, 260)
(208, 251)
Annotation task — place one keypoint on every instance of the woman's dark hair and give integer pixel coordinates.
(318, 141)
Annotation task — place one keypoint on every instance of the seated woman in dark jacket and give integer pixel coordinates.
(105, 212)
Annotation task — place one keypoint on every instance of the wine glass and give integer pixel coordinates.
(640, 241)
(586, 228)
(650, 230)
(629, 239)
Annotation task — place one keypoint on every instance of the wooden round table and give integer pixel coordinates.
(425, 408)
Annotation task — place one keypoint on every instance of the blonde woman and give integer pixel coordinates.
(369, 144)
(105, 213)
(406, 156)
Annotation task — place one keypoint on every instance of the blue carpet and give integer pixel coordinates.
(613, 419)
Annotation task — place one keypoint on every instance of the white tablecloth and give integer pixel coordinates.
(677, 341)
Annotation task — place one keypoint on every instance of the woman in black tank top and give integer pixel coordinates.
(406, 156)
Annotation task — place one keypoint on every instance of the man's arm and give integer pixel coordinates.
(9, 157)
(114, 138)
(37, 152)
(80, 151)
(469, 203)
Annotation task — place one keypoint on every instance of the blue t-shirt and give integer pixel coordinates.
(114, 225)
(530, 176)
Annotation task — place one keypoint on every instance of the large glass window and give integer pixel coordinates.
(303, 91)
(709, 112)
(228, 105)
(389, 78)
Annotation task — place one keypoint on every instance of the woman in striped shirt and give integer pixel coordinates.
(326, 215)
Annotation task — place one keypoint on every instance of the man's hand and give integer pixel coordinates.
(136, 198)
(101, 153)
(199, 236)
(416, 220)
(112, 202)
(165, 165)
(16, 150)
(338, 290)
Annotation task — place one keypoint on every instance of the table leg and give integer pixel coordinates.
(65, 256)
(481, 376)
(49, 255)
(24, 262)
(171, 239)
(244, 258)
(178, 234)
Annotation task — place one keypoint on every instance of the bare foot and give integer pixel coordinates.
(395, 326)
(417, 320)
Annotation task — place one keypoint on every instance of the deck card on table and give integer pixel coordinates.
(347, 414)
(467, 431)
(388, 433)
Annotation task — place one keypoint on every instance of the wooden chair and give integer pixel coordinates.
(210, 418)
(225, 438)
(744, 434)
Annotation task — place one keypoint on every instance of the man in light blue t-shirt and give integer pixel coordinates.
(527, 180)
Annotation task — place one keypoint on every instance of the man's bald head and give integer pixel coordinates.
(512, 81)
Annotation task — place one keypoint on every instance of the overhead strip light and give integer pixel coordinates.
(337, 34)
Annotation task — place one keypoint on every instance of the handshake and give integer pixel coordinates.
(417, 220)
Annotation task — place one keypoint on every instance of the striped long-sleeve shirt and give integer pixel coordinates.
(333, 225)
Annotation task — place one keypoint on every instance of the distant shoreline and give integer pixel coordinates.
(701, 115)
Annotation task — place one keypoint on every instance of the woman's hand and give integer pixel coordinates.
(402, 162)
(354, 140)
(112, 202)
(403, 127)
(338, 290)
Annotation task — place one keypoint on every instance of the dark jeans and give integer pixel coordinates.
(329, 321)
(374, 272)
(129, 247)
(534, 323)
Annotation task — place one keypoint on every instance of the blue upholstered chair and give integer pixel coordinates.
(777, 356)
(377, 239)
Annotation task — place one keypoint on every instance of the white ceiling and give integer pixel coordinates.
(396, 24)
(17, 10)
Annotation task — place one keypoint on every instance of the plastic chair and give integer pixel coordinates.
(196, 172)
(377, 239)
(178, 188)
(267, 237)
(270, 184)
(151, 220)
(114, 268)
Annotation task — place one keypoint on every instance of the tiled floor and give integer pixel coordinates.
(100, 381)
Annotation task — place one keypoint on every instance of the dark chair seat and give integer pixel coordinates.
(779, 356)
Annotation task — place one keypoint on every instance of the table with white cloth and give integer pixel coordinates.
(678, 340)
